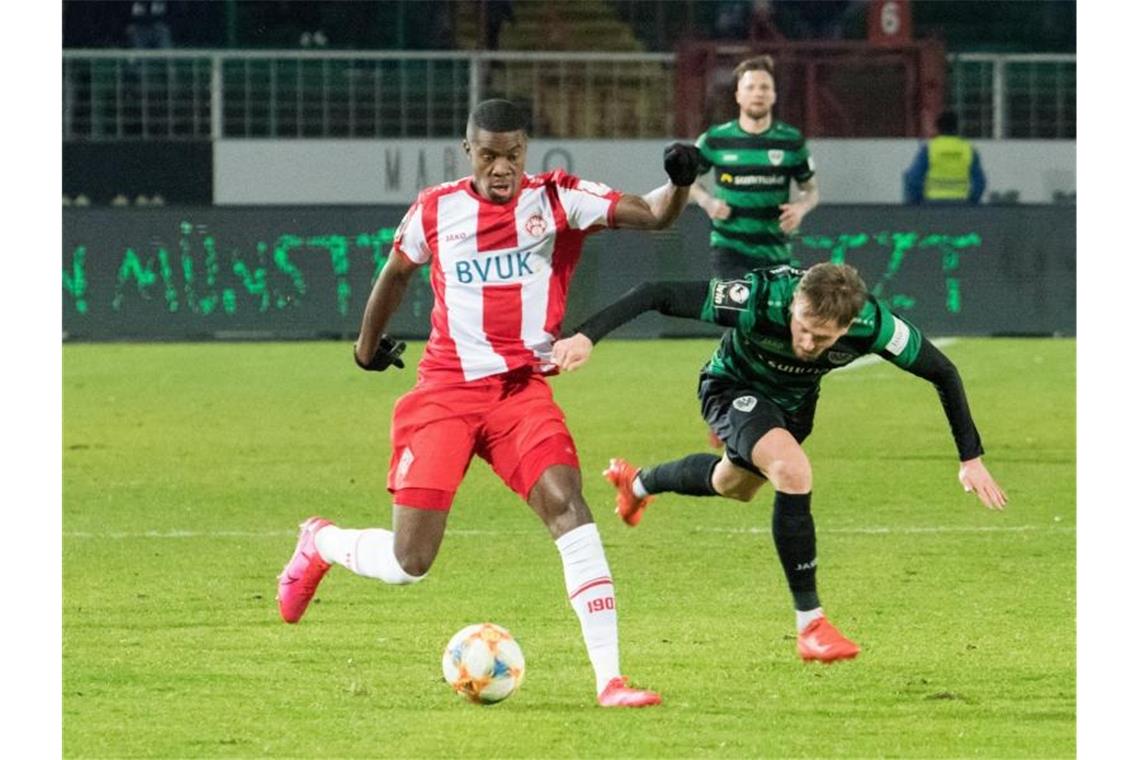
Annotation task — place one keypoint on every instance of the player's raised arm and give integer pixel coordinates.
(660, 207)
(932, 365)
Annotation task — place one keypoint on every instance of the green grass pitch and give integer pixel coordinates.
(187, 468)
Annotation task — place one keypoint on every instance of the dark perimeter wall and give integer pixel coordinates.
(304, 272)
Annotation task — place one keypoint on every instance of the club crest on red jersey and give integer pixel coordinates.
(536, 225)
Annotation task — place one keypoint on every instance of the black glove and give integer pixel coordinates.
(682, 163)
(387, 355)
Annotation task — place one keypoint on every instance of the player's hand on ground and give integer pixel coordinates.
(716, 208)
(791, 214)
(682, 164)
(571, 353)
(975, 478)
(387, 355)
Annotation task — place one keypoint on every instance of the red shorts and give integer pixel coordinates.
(511, 421)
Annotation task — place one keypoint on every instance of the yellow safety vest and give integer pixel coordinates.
(948, 174)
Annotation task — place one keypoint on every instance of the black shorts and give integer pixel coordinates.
(740, 417)
(731, 264)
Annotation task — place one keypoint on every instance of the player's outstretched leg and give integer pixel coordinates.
(302, 574)
(691, 475)
(822, 641)
(370, 553)
(629, 506)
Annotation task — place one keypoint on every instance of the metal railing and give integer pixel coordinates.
(114, 95)
(172, 95)
(1014, 96)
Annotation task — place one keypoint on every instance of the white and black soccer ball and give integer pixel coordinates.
(484, 663)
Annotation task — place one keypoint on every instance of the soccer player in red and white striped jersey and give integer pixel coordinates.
(501, 245)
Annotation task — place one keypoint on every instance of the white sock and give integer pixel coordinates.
(591, 591)
(638, 487)
(803, 618)
(365, 552)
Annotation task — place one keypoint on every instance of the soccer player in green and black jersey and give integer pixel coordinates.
(755, 159)
(788, 328)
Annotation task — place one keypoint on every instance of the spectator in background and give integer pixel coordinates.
(947, 169)
(817, 20)
(733, 18)
(498, 12)
(148, 28)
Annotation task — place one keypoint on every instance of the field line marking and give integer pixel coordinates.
(862, 361)
(873, 531)
(883, 531)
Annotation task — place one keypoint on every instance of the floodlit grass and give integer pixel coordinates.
(188, 467)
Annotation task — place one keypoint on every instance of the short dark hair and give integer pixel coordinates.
(947, 123)
(759, 63)
(497, 115)
(833, 292)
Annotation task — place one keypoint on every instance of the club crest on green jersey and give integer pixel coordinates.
(731, 294)
(744, 403)
(775, 157)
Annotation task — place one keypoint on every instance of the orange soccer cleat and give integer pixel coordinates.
(303, 573)
(621, 473)
(822, 641)
(618, 693)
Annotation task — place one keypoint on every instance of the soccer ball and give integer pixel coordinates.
(484, 663)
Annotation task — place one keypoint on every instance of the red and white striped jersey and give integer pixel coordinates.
(499, 272)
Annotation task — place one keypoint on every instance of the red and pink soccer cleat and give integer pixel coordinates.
(301, 576)
(822, 641)
(618, 693)
(621, 473)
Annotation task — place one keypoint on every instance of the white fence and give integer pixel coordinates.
(1014, 96)
(196, 94)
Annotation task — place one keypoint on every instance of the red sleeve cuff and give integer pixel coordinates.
(612, 212)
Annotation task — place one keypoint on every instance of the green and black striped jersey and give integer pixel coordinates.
(753, 174)
(758, 350)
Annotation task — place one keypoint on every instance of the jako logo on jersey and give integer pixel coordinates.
(839, 357)
(775, 157)
(499, 268)
(451, 237)
(744, 403)
(536, 225)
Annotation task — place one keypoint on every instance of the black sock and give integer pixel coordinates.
(793, 530)
(691, 475)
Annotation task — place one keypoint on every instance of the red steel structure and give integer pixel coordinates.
(845, 88)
